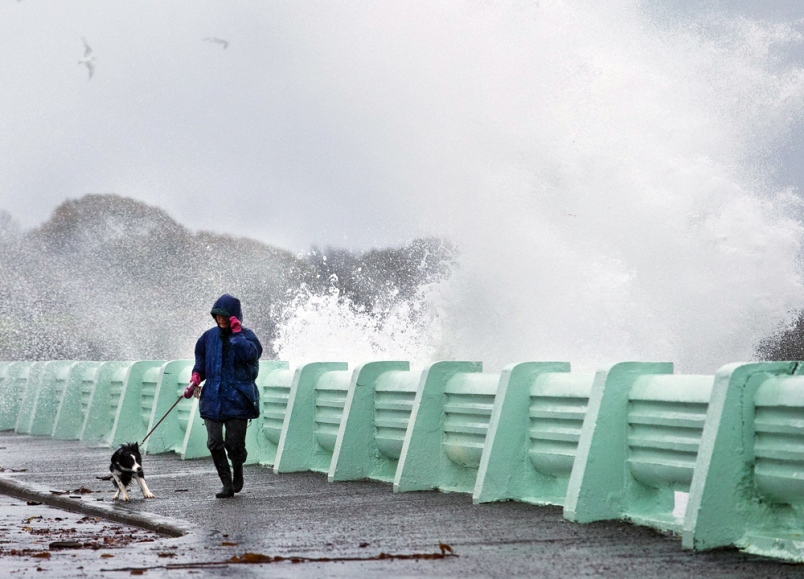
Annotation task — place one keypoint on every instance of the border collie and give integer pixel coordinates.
(127, 465)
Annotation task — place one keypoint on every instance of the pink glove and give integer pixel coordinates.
(234, 325)
(195, 380)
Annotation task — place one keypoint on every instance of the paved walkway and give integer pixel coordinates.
(334, 530)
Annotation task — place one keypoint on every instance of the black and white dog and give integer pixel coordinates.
(127, 465)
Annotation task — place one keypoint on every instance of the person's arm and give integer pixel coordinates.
(200, 367)
(245, 345)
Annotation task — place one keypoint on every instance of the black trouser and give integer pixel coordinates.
(234, 439)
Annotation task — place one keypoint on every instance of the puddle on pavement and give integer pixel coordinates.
(40, 534)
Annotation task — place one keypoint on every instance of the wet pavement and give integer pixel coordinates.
(299, 525)
(38, 538)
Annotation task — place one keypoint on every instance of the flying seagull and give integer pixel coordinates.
(88, 59)
(217, 40)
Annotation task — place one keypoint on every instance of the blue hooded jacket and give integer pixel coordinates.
(229, 363)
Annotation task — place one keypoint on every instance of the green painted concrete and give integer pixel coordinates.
(7, 400)
(182, 430)
(394, 395)
(72, 407)
(666, 417)
(32, 386)
(778, 439)
(600, 485)
(135, 402)
(423, 463)
(12, 391)
(298, 448)
(330, 398)
(356, 455)
(174, 376)
(618, 444)
(726, 506)
(102, 403)
(193, 432)
(262, 438)
(194, 444)
(506, 472)
(53, 385)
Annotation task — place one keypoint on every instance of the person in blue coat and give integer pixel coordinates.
(227, 361)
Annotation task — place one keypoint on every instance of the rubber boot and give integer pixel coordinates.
(222, 466)
(237, 476)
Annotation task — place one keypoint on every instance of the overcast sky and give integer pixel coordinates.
(319, 124)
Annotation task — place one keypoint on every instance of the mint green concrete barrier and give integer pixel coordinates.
(53, 384)
(312, 418)
(170, 435)
(195, 435)
(136, 402)
(602, 485)
(395, 394)
(194, 438)
(103, 402)
(748, 485)
(533, 433)
(4, 364)
(375, 422)
(330, 398)
(18, 384)
(262, 438)
(447, 429)
(12, 390)
(622, 443)
(88, 381)
(779, 439)
(664, 416)
(75, 401)
(32, 386)
(182, 430)
(5, 391)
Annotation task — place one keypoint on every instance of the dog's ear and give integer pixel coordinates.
(136, 446)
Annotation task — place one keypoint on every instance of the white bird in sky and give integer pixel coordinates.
(89, 59)
(218, 40)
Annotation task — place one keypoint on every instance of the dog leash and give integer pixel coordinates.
(161, 419)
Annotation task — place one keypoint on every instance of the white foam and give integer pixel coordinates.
(608, 181)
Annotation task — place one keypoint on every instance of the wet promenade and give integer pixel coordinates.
(329, 530)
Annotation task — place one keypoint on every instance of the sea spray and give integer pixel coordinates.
(608, 179)
(318, 326)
